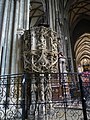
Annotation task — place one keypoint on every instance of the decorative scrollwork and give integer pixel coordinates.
(10, 96)
(40, 51)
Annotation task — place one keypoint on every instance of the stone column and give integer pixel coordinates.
(21, 15)
(33, 106)
(3, 37)
(50, 12)
(27, 14)
(9, 38)
(14, 44)
(19, 27)
(41, 98)
(20, 31)
(1, 13)
(23, 25)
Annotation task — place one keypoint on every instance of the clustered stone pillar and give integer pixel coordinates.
(21, 23)
(15, 21)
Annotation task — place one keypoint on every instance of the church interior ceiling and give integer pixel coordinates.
(80, 11)
(82, 49)
(37, 10)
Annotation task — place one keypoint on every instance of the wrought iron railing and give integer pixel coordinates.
(44, 96)
(11, 97)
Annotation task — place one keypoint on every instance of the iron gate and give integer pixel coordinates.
(45, 96)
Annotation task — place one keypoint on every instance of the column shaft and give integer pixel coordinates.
(7, 68)
(14, 45)
(27, 14)
(50, 13)
(3, 37)
(21, 17)
(5, 40)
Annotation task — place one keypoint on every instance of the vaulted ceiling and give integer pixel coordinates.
(78, 10)
(82, 49)
(37, 11)
(79, 23)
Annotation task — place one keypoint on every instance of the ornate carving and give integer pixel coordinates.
(40, 50)
(40, 55)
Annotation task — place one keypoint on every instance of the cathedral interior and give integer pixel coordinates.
(69, 19)
(42, 39)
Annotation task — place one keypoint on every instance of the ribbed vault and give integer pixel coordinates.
(82, 50)
(79, 23)
(37, 12)
(78, 9)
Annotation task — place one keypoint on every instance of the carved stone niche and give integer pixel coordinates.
(40, 50)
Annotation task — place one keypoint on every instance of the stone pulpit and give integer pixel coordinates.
(40, 55)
